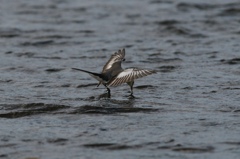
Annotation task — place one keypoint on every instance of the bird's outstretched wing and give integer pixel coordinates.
(129, 75)
(116, 58)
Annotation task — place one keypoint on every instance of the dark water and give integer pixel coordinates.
(190, 109)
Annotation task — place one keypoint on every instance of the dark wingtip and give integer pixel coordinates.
(154, 71)
(123, 50)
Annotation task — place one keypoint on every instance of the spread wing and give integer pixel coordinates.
(129, 75)
(116, 58)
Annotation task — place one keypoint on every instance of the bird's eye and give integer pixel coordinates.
(123, 59)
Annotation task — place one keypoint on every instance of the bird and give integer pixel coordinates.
(114, 75)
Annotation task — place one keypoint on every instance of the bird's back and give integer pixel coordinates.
(113, 67)
(113, 72)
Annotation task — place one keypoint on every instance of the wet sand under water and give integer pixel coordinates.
(190, 109)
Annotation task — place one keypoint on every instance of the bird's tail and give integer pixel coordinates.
(97, 76)
(84, 71)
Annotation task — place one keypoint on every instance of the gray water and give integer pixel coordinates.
(189, 109)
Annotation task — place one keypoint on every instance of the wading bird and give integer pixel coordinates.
(113, 74)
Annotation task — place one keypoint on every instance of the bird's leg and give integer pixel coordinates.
(131, 87)
(108, 91)
(99, 83)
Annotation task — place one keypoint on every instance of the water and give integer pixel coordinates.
(190, 109)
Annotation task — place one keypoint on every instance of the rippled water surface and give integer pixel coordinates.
(189, 109)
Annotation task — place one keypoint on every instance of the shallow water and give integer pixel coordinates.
(190, 109)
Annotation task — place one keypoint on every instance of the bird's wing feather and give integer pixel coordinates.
(116, 57)
(129, 75)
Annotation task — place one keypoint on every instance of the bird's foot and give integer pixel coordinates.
(131, 96)
(108, 93)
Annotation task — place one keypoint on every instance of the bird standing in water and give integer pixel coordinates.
(113, 74)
